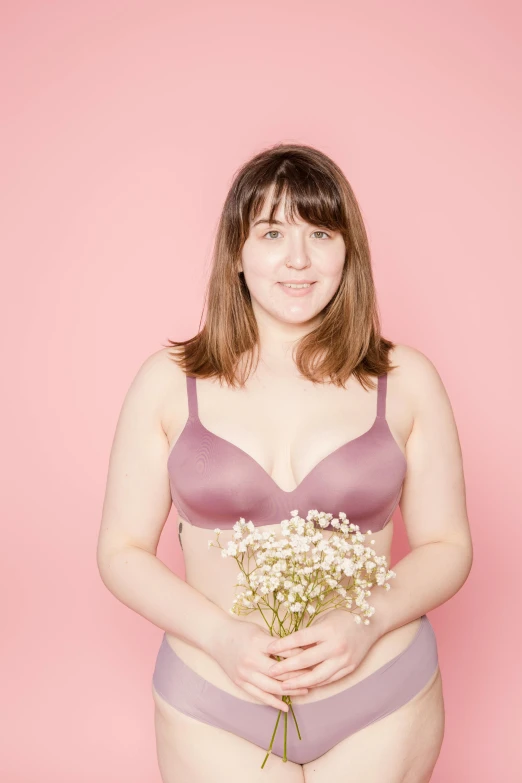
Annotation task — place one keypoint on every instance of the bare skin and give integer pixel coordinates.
(344, 414)
(287, 424)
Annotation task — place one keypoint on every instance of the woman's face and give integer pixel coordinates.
(282, 252)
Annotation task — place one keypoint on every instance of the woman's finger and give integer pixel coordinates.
(288, 653)
(300, 638)
(315, 677)
(269, 684)
(303, 660)
(288, 675)
(266, 698)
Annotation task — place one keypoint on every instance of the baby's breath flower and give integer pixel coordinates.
(293, 577)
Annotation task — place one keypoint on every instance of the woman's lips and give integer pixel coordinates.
(296, 291)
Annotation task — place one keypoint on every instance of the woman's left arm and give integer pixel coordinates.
(433, 507)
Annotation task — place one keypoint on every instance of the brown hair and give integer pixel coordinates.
(348, 338)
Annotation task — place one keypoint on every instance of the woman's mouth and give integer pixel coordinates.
(297, 289)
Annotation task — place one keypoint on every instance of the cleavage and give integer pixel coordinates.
(286, 466)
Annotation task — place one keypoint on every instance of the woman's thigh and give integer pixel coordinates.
(190, 751)
(402, 747)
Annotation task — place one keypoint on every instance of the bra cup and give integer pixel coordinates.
(214, 483)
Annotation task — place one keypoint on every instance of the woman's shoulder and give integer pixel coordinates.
(415, 375)
(157, 369)
(158, 383)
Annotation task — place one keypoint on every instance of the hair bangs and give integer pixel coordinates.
(305, 193)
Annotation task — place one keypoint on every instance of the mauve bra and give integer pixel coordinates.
(213, 482)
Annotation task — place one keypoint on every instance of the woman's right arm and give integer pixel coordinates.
(136, 506)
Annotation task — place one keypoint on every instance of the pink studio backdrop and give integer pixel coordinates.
(123, 124)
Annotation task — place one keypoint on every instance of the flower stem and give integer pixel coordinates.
(272, 740)
(285, 736)
(295, 719)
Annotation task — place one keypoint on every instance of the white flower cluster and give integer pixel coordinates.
(303, 571)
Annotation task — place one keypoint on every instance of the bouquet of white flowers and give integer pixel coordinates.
(296, 577)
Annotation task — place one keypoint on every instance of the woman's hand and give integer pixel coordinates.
(241, 652)
(335, 646)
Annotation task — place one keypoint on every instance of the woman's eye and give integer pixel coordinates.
(278, 232)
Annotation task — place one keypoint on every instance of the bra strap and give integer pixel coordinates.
(382, 383)
(192, 397)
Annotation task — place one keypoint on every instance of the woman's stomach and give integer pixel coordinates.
(215, 577)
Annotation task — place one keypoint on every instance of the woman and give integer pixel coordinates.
(289, 398)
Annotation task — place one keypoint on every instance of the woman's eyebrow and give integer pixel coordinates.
(270, 222)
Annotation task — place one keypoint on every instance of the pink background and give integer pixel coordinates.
(123, 124)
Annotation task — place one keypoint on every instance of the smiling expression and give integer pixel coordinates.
(291, 251)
